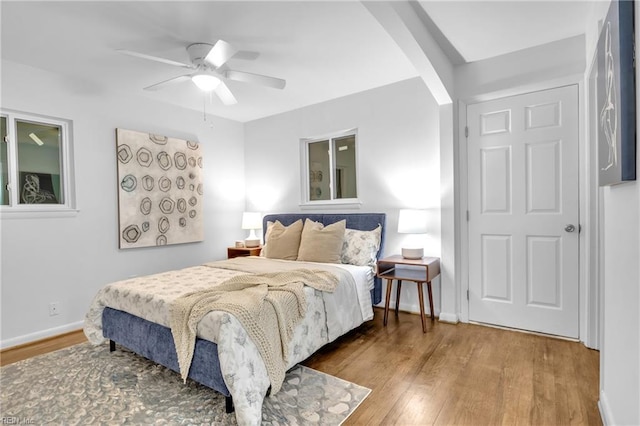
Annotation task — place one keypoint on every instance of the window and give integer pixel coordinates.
(329, 169)
(4, 176)
(35, 166)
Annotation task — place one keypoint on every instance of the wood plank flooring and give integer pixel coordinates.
(50, 344)
(460, 374)
(463, 374)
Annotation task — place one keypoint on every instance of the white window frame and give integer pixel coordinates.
(67, 177)
(304, 170)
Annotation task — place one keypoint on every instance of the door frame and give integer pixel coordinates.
(588, 286)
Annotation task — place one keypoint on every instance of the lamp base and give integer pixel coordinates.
(251, 242)
(413, 253)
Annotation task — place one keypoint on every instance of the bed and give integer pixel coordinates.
(135, 313)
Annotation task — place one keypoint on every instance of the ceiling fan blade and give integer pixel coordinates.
(154, 58)
(225, 94)
(220, 53)
(246, 55)
(247, 77)
(168, 82)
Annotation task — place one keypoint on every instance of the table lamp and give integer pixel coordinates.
(412, 222)
(252, 221)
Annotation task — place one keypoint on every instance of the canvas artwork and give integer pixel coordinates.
(160, 193)
(616, 96)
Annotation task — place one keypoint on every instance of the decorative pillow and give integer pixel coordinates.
(321, 243)
(266, 237)
(361, 247)
(282, 242)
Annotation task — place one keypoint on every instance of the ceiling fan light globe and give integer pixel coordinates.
(205, 82)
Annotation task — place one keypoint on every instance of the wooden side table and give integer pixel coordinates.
(419, 271)
(243, 251)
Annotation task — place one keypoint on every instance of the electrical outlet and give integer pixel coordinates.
(54, 308)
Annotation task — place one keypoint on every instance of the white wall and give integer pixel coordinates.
(67, 259)
(522, 70)
(620, 348)
(398, 158)
(408, 25)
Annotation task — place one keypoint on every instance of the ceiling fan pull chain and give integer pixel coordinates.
(204, 107)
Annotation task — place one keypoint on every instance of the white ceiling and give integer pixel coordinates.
(324, 50)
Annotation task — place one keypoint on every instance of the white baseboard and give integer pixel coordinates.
(406, 307)
(605, 410)
(448, 317)
(27, 338)
(413, 308)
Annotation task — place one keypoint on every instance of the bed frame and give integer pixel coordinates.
(155, 342)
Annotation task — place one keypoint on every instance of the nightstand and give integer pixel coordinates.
(419, 271)
(243, 251)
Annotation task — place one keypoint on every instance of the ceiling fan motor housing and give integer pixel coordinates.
(197, 53)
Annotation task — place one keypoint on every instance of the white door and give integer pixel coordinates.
(523, 211)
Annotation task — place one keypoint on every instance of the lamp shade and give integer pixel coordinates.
(205, 82)
(251, 220)
(412, 221)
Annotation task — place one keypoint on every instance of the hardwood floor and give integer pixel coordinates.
(463, 374)
(460, 374)
(28, 350)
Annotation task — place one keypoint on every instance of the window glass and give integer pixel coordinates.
(4, 163)
(345, 168)
(319, 171)
(39, 163)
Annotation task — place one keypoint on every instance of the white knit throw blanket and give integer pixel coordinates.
(269, 306)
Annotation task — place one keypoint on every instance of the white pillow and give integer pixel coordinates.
(361, 247)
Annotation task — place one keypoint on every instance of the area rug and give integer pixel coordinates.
(87, 384)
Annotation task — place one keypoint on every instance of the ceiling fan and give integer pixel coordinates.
(209, 64)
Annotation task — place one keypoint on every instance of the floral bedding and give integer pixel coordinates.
(329, 315)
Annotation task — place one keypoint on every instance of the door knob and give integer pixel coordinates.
(569, 228)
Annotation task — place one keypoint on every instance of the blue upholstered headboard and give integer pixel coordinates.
(361, 221)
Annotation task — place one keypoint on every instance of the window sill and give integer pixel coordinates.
(350, 203)
(40, 213)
